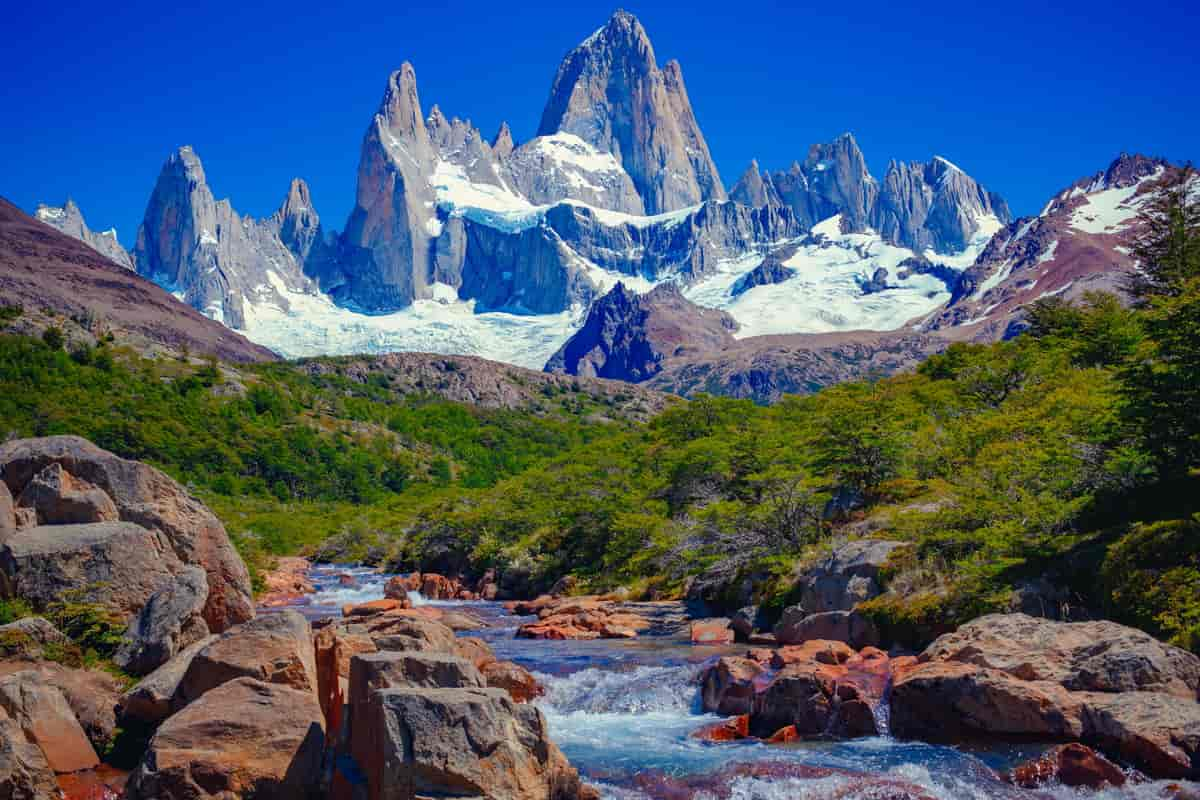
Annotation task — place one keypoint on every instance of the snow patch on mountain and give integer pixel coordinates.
(1108, 211)
(313, 325)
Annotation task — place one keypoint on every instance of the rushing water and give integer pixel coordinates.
(623, 712)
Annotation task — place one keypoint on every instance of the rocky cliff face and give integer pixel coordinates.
(213, 258)
(610, 92)
(69, 219)
(394, 217)
(1077, 244)
(934, 206)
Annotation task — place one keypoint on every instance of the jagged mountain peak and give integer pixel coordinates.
(186, 161)
(298, 199)
(400, 110)
(502, 143)
(68, 218)
(610, 92)
(1126, 170)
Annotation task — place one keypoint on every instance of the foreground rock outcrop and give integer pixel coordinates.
(1096, 682)
(245, 738)
(121, 532)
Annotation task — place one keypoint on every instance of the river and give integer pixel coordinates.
(623, 712)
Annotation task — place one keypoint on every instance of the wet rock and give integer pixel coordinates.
(820, 651)
(729, 686)
(156, 696)
(245, 738)
(374, 607)
(477, 651)
(514, 679)
(398, 587)
(287, 583)
(46, 719)
(460, 742)
(273, 648)
(745, 622)
(731, 730)
(146, 497)
(25, 774)
(818, 700)
(797, 626)
(171, 620)
(712, 631)
(1070, 765)
(586, 617)
(1157, 732)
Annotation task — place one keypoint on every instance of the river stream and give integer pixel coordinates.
(622, 711)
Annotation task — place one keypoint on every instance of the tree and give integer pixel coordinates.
(1166, 242)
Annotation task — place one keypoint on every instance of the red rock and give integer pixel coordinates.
(760, 654)
(397, 588)
(1070, 765)
(729, 686)
(372, 607)
(784, 735)
(46, 720)
(514, 679)
(287, 583)
(762, 640)
(477, 651)
(712, 631)
(731, 730)
(820, 651)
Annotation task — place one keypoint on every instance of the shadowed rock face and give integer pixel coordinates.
(610, 92)
(627, 336)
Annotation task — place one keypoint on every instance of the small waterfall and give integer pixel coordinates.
(417, 599)
(882, 710)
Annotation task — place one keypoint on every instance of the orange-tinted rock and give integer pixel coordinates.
(372, 607)
(334, 647)
(286, 583)
(397, 588)
(1070, 765)
(730, 730)
(784, 735)
(477, 651)
(820, 651)
(513, 678)
(582, 618)
(728, 687)
(43, 715)
(275, 648)
(712, 631)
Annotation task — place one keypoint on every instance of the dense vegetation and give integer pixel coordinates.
(1066, 457)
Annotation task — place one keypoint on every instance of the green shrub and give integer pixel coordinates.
(1152, 580)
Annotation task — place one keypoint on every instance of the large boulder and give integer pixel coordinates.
(45, 718)
(8, 515)
(846, 577)
(24, 772)
(1096, 656)
(245, 738)
(58, 498)
(117, 564)
(273, 648)
(91, 694)
(797, 626)
(514, 679)
(728, 687)
(146, 497)
(461, 743)
(1095, 682)
(156, 696)
(1069, 765)
(370, 672)
(171, 620)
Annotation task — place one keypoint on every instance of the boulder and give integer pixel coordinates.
(117, 564)
(91, 694)
(1157, 732)
(797, 626)
(373, 607)
(58, 498)
(8, 516)
(730, 730)
(245, 738)
(28, 638)
(745, 622)
(398, 587)
(1095, 656)
(728, 687)
(404, 632)
(514, 679)
(334, 647)
(819, 699)
(712, 631)
(25, 773)
(146, 497)
(460, 743)
(171, 620)
(585, 617)
(286, 582)
(846, 577)
(1069, 765)
(477, 651)
(46, 719)
(273, 648)
(370, 672)
(156, 696)
(815, 650)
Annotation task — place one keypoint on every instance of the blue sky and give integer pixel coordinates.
(1024, 97)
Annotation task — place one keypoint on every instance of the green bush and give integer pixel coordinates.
(1152, 580)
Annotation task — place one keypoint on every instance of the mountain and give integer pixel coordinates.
(59, 280)
(213, 258)
(610, 92)
(1077, 244)
(69, 219)
(627, 336)
(934, 206)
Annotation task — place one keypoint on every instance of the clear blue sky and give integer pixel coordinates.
(1023, 96)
